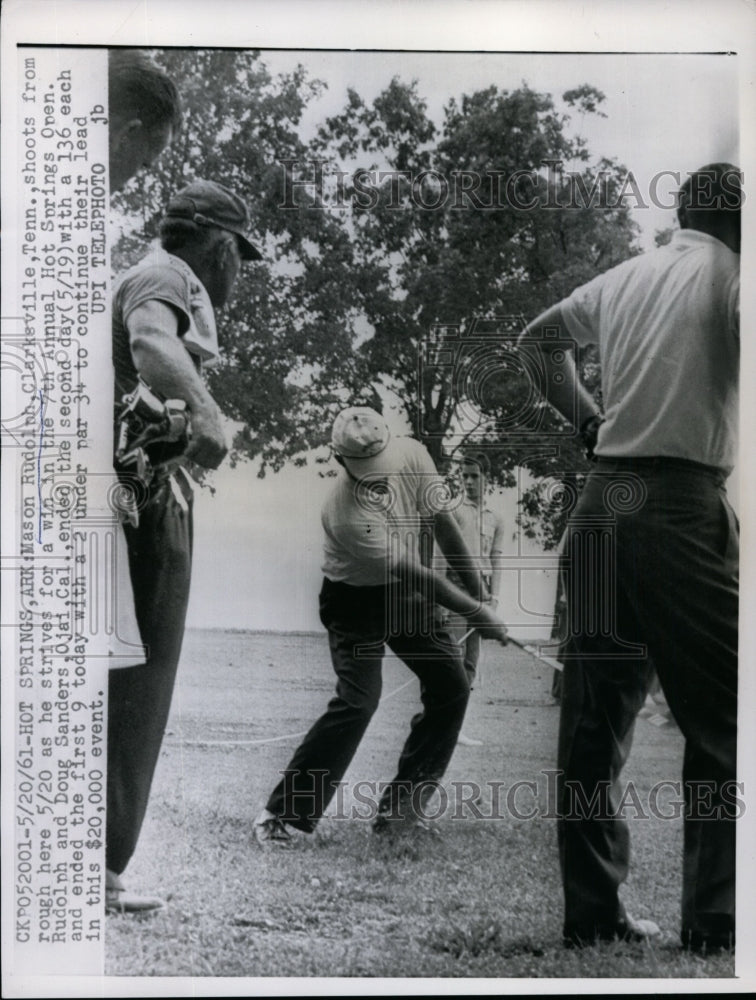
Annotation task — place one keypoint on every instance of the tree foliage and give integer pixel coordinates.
(389, 238)
(477, 228)
(288, 334)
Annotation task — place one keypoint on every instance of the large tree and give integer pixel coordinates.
(474, 227)
(401, 258)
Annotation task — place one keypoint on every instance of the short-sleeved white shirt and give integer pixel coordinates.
(481, 528)
(362, 532)
(666, 324)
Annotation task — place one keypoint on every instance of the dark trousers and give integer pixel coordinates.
(139, 698)
(651, 561)
(458, 626)
(360, 620)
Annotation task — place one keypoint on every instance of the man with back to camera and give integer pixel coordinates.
(163, 333)
(144, 113)
(376, 590)
(666, 324)
(483, 532)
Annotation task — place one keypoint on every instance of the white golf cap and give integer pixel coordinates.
(362, 439)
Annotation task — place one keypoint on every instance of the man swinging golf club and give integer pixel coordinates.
(377, 592)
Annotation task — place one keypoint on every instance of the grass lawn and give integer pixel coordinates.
(482, 900)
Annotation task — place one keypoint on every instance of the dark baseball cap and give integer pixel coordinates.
(210, 204)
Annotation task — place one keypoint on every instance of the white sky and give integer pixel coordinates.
(670, 112)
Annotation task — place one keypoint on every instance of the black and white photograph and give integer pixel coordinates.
(376, 437)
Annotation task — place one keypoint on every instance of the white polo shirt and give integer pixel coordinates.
(361, 532)
(666, 324)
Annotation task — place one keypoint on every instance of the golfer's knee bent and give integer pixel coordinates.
(451, 697)
(459, 686)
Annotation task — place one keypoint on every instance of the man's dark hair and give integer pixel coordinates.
(175, 234)
(715, 187)
(480, 459)
(138, 88)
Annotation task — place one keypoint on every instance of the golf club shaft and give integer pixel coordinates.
(548, 660)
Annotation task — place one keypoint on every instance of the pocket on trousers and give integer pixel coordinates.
(730, 538)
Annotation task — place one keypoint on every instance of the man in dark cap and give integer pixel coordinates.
(163, 335)
(144, 113)
(651, 557)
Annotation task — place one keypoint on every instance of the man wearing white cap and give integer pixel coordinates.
(376, 591)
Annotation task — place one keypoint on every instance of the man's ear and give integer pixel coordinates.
(222, 252)
(682, 217)
(219, 252)
(124, 133)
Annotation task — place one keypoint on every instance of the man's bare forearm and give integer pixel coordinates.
(165, 365)
(567, 394)
(437, 586)
(496, 574)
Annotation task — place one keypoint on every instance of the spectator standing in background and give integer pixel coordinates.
(483, 531)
